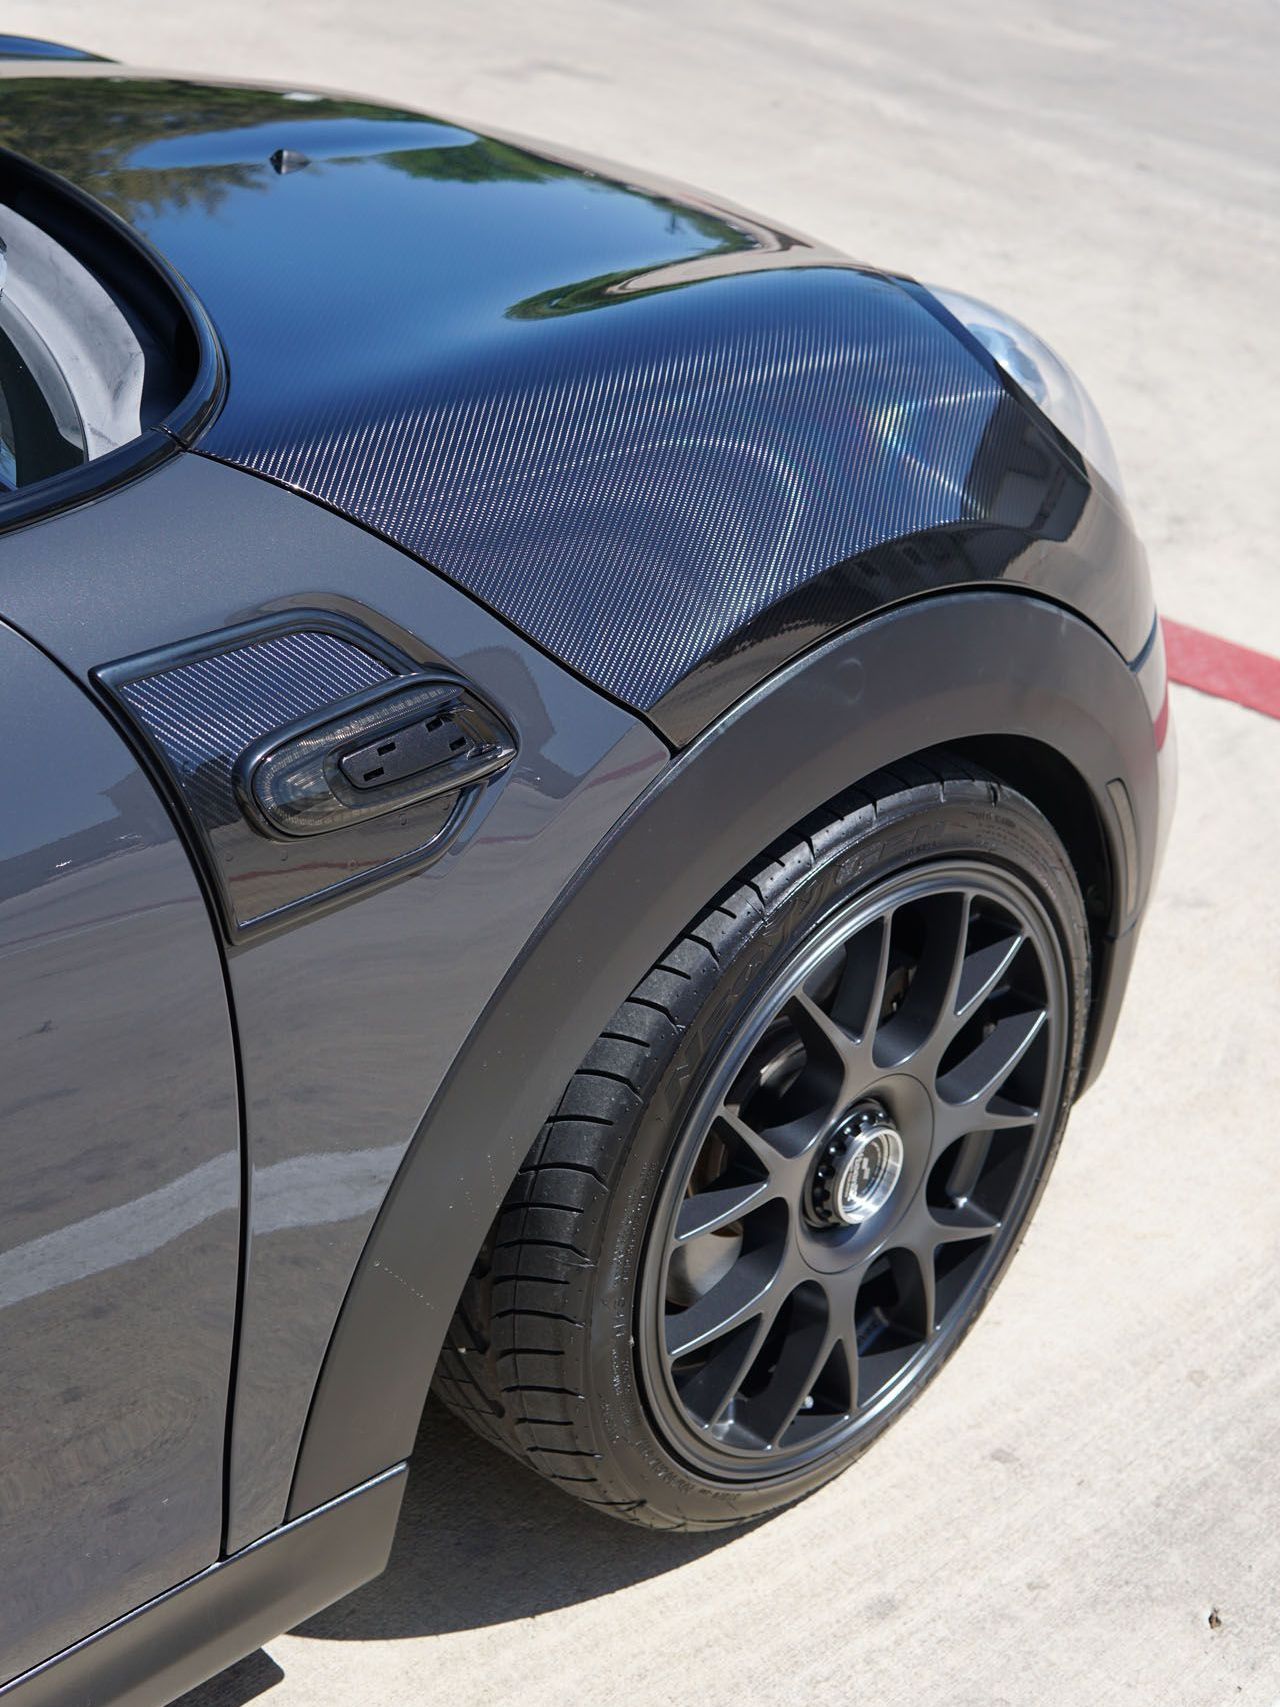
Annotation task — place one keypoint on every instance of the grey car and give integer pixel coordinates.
(582, 774)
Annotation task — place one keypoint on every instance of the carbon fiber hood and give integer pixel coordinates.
(668, 442)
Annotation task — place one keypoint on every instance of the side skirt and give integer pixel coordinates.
(156, 1653)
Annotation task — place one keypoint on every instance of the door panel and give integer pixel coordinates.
(119, 1179)
(350, 1018)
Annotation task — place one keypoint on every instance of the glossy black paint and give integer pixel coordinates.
(899, 684)
(667, 441)
(120, 1151)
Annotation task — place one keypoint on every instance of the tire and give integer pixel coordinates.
(566, 1346)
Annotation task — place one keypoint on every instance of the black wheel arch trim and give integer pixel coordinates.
(949, 668)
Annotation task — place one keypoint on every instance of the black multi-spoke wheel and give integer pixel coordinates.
(787, 1176)
(854, 1169)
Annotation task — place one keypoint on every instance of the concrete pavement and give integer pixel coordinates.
(1085, 1507)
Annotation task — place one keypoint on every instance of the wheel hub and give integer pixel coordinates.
(858, 1169)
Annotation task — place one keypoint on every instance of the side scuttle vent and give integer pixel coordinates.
(311, 757)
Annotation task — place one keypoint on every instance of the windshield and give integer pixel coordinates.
(41, 432)
(72, 369)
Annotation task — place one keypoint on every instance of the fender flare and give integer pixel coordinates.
(947, 668)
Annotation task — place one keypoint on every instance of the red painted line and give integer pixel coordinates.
(1220, 667)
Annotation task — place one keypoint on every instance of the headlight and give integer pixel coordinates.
(1044, 376)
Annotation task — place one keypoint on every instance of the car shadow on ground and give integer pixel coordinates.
(481, 1541)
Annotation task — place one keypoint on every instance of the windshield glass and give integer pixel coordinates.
(41, 432)
(72, 367)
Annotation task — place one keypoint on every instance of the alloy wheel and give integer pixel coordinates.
(854, 1172)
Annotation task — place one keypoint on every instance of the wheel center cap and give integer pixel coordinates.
(861, 1165)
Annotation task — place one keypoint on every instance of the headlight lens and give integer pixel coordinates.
(1042, 374)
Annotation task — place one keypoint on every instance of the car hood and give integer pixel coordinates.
(628, 419)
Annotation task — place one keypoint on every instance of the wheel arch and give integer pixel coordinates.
(1013, 682)
(1053, 785)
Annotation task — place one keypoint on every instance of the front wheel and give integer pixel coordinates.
(790, 1171)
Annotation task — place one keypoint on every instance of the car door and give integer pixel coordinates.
(119, 1178)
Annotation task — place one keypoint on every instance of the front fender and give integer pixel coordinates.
(947, 669)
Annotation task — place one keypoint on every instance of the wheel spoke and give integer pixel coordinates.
(894, 1309)
(709, 1211)
(822, 1036)
(758, 1144)
(730, 1301)
(919, 1239)
(922, 1026)
(876, 1368)
(977, 1078)
(966, 1170)
(953, 979)
(772, 1412)
(959, 1120)
(967, 1221)
(953, 960)
(922, 1294)
(709, 1391)
(981, 974)
(860, 992)
(1001, 1114)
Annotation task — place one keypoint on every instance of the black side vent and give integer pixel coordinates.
(261, 730)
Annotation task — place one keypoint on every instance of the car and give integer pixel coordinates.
(583, 773)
